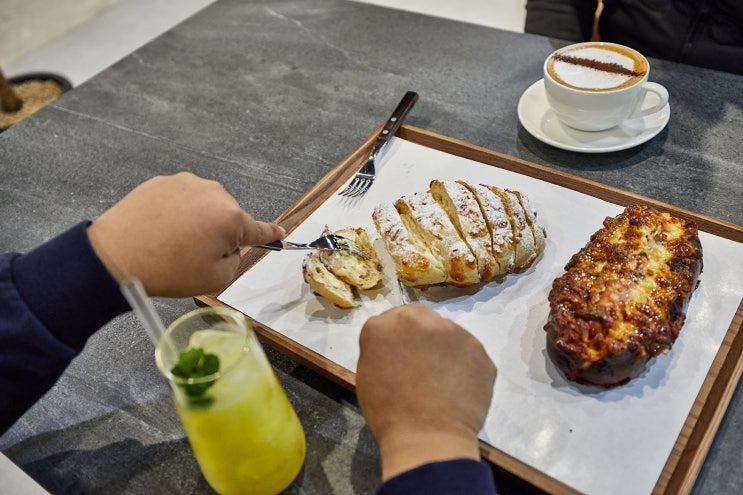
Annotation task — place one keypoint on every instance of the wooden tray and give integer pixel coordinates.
(692, 444)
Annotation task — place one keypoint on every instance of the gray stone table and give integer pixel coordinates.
(265, 97)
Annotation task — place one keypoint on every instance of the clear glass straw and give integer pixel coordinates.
(142, 305)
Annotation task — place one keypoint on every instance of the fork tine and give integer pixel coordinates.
(350, 188)
(349, 245)
(357, 186)
(364, 186)
(357, 183)
(336, 243)
(326, 241)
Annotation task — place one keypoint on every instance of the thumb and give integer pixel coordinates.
(257, 232)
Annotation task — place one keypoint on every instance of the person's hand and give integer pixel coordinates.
(424, 385)
(180, 235)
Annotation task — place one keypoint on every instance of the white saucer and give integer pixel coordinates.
(541, 122)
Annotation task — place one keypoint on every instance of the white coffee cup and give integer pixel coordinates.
(594, 86)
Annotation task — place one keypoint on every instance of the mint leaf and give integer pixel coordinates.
(195, 363)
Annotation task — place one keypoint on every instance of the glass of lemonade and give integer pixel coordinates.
(242, 428)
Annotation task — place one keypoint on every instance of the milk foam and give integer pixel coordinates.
(581, 76)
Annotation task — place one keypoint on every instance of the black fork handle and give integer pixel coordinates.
(395, 121)
(274, 246)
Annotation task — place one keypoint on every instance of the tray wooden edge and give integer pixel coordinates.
(596, 189)
(695, 438)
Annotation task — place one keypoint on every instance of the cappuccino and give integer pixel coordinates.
(597, 67)
(595, 86)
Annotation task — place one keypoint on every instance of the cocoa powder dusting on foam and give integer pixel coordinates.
(614, 68)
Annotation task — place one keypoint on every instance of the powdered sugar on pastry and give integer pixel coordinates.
(464, 211)
(438, 231)
(537, 230)
(501, 232)
(415, 264)
(460, 234)
(525, 251)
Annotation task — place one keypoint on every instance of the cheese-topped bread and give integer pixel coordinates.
(464, 211)
(623, 296)
(432, 224)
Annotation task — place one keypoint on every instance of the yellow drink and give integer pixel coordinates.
(243, 430)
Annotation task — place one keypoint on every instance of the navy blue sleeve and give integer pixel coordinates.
(51, 300)
(453, 477)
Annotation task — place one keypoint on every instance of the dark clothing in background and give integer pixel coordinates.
(705, 33)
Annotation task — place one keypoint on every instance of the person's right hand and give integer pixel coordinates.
(424, 385)
(179, 235)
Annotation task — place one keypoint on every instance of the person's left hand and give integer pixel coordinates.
(424, 385)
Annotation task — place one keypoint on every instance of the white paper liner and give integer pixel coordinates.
(594, 440)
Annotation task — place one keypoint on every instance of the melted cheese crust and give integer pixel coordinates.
(627, 289)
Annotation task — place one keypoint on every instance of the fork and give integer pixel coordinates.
(327, 241)
(365, 177)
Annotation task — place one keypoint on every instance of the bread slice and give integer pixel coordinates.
(435, 227)
(499, 225)
(363, 273)
(465, 214)
(540, 234)
(525, 249)
(415, 264)
(324, 283)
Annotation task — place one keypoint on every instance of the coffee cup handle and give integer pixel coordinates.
(651, 87)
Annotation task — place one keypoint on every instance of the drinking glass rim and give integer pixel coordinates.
(214, 376)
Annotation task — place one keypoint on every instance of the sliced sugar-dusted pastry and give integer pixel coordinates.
(537, 230)
(464, 211)
(435, 227)
(525, 250)
(502, 238)
(415, 263)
